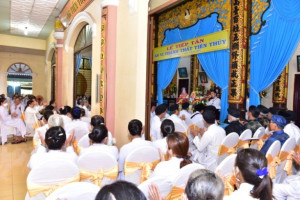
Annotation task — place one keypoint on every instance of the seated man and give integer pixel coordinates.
(160, 112)
(253, 124)
(197, 117)
(185, 110)
(175, 116)
(276, 125)
(234, 119)
(289, 189)
(213, 100)
(135, 128)
(263, 115)
(208, 144)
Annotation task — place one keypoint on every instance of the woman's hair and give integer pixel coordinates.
(55, 120)
(55, 137)
(254, 111)
(204, 184)
(76, 113)
(249, 161)
(65, 110)
(2, 100)
(167, 127)
(97, 120)
(98, 134)
(28, 103)
(135, 127)
(47, 114)
(120, 190)
(179, 144)
(51, 101)
(82, 112)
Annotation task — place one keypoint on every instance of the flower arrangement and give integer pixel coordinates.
(263, 94)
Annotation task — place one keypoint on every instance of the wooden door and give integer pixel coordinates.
(297, 98)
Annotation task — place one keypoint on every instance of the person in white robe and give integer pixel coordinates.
(213, 100)
(135, 128)
(152, 112)
(51, 148)
(160, 113)
(31, 117)
(10, 121)
(185, 110)
(98, 120)
(178, 146)
(98, 140)
(174, 109)
(17, 107)
(65, 113)
(197, 117)
(208, 144)
(291, 128)
(251, 173)
(167, 127)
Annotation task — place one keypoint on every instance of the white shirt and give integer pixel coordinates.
(197, 119)
(152, 114)
(66, 120)
(289, 189)
(155, 128)
(214, 102)
(128, 148)
(81, 128)
(161, 144)
(42, 155)
(243, 193)
(176, 120)
(208, 146)
(185, 113)
(168, 169)
(86, 119)
(30, 119)
(112, 150)
(43, 131)
(292, 130)
(18, 110)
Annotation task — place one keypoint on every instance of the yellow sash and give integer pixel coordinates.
(288, 156)
(259, 142)
(297, 148)
(145, 167)
(265, 137)
(229, 183)
(97, 177)
(77, 148)
(175, 193)
(272, 163)
(242, 143)
(22, 116)
(35, 142)
(224, 149)
(34, 189)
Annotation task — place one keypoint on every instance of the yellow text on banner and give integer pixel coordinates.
(206, 43)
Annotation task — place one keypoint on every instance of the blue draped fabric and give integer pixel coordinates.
(215, 64)
(78, 60)
(273, 47)
(90, 61)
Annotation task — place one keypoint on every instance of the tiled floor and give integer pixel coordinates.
(13, 170)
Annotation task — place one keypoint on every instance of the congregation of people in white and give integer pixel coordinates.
(190, 155)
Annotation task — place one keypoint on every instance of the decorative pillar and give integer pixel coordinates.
(280, 88)
(59, 36)
(108, 62)
(239, 37)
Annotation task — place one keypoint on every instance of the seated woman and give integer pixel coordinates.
(42, 130)
(178, 146)
(31, 116)
(167, 127)
(76, 122)
(97, 120)
(65, 113)
(51, 148)
(252, 177)
(12, 121)
(98, 140)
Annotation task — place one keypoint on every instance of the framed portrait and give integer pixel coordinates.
(182, 72)
(298, 63)
(203, 77)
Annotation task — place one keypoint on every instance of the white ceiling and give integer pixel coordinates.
(37, 16)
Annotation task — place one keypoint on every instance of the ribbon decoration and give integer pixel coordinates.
(22, 116)
(36, 124)
(34, 189)
(288, 156)
(259, 142)
(97, 177)
(272, 163)
(297, 148)
(266, 136)
(76, 147)
(224, 149)
(175, 193)
(242, 143)
(145, 167)
(229, 183)
(35, 143)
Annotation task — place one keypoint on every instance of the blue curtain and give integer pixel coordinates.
(90, 61)
(78, 60)
(273, 47)
(215, 64)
